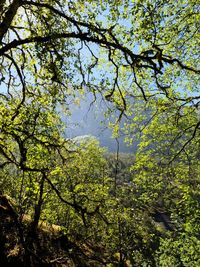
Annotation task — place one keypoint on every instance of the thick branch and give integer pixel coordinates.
(8, 18)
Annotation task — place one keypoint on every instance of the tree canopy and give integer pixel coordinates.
(142, 58)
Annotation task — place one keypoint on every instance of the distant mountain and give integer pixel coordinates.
(89, 120)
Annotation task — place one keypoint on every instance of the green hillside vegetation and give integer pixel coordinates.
(86, 218)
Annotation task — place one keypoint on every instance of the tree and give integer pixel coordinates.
(167, 185)
(142, 58)
(54, 49)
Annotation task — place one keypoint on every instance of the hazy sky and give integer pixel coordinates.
(90, 120)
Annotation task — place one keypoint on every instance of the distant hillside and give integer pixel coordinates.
(89, 119)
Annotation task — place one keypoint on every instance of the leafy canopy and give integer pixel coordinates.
(142, 58)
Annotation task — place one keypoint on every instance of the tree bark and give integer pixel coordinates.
(9, 16)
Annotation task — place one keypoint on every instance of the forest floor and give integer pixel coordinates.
(49, 247)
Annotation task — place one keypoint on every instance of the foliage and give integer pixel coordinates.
(142, 59)
(171, 186)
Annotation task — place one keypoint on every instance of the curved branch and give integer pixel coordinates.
(197, 127)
